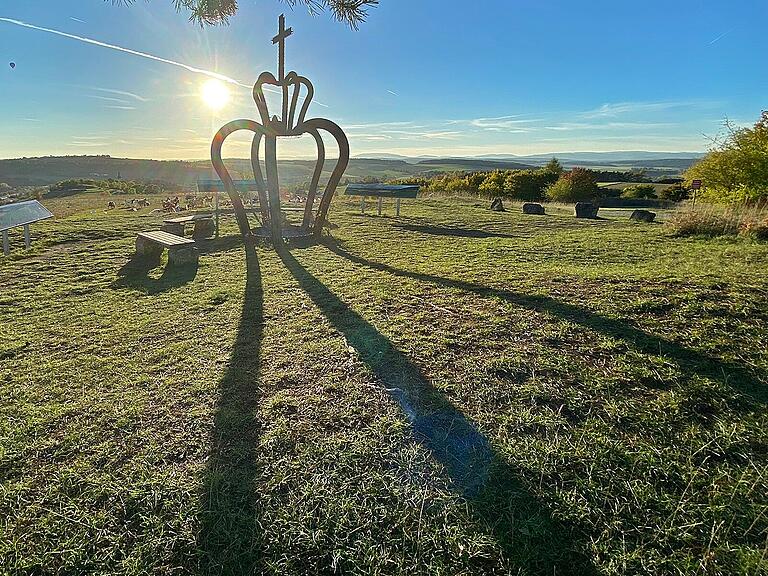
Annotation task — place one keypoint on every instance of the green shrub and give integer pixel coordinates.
(493, 185)
(577, 185)
(675, 193)
(639, 191)
(456, 185)
(529, 185)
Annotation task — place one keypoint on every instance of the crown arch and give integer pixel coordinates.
(291, 122)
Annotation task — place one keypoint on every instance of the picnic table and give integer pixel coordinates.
(204, 225)
(381, 191)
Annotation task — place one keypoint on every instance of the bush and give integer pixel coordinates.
(675, 193)
(639, 191)
(493, 185)
(577, 185)
(529, 185)
(455, 185)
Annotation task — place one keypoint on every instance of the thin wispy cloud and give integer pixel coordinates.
(393, 93)
(503, 123)
(417, 134)
(123, 93)
(108, 99)
(100, 137)
(372, 125)
(571, 126)
(620, 108)
(121, 107)
(88, 144)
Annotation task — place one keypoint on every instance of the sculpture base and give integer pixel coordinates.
(288, 232)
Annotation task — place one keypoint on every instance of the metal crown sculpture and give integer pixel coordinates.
(288, 124)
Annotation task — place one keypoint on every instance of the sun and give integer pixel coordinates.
(215, 94)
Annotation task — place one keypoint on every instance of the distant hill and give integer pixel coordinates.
(472, 164)
(51, 169)
(622, 156)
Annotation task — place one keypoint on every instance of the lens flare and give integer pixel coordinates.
(215, 94)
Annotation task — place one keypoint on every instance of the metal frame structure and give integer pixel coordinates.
(42, 214)
(269, 130)
(381, 191)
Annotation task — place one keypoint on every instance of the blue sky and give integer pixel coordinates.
(444, 77)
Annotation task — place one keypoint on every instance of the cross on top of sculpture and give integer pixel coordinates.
(269, 129)
(282, 35)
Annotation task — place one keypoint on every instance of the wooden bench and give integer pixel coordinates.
(204, 225)
(180, 250)
(381, 191)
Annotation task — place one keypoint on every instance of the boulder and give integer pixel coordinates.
(532, 208)
(642, 215)
(496, 205)
(586, 210)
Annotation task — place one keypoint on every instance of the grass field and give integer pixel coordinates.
(456, 391)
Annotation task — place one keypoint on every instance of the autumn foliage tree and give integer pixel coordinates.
(737, 169)
(574, 186)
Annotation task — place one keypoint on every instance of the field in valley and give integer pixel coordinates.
(455, 391)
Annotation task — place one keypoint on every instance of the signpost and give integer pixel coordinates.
(21, 214)
(695, 186)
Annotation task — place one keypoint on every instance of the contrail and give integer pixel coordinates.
(723, 35)
(193, 69)
(77, 19)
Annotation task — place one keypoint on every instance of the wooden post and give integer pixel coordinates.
(397, 207)
(273, 189)
(6, 247)
(379, 205)
(27, 241)
(216, 210)
(362, 205)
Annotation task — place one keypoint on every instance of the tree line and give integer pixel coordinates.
(551, 183)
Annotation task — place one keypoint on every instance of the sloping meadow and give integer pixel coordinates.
(456, 391)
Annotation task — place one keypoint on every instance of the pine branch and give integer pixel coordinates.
(213, 12)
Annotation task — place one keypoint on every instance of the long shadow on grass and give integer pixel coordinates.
(523, 527)
(135, 274)
(454, 231)
(229, 539)
(690, 360)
